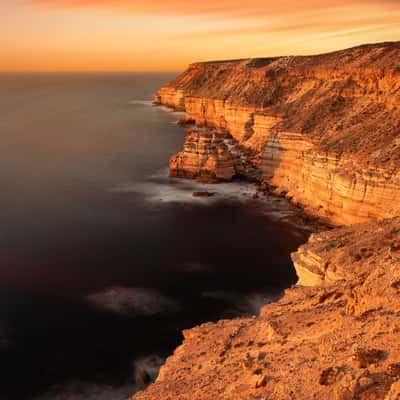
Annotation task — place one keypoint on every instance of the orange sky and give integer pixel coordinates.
(168, 35)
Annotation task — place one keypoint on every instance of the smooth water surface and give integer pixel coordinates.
(103, 258)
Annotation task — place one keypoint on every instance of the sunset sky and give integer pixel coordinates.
(168, 35)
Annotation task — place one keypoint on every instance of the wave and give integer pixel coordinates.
(245, 304)
(159, 187)
(133, 301)
(80, 390)
(89, 391)
(147, 103)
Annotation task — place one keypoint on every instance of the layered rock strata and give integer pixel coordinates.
(211, 156)
(336, 188)
(205, 156)
(324, 129)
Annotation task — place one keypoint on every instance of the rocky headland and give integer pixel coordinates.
(323, 131)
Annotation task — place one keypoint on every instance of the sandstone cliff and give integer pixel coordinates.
(324, 131)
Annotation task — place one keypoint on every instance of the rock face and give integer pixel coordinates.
(205, 156)
(350, 253)
(324, 129)
(211, 156)
(338, 340)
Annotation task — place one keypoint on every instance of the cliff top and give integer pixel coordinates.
(335, 53)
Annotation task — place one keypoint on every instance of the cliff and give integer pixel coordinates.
(323, 131)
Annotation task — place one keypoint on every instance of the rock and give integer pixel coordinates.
(184, 121)
(328, 376)
(262, 381)
(365, 383)
(143, 377)
(328, 258)
(363, 357)
(272, 331)
(204, 157)
(394, 392)
(261, 356)
(203, 193)
(394, 370)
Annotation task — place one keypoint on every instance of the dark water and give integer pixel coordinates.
(85, 205)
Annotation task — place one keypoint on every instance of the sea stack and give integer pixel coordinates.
(205, 157)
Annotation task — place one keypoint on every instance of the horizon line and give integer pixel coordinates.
(36, 71)
(152, 70)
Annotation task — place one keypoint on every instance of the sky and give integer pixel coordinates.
(162, 35)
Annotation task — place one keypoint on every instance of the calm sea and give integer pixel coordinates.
(103, 258)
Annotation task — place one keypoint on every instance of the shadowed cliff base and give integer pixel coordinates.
(324, 132)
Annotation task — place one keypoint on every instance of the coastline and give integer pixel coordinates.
(337, 328)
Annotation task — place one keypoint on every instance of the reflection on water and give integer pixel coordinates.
(104, 259)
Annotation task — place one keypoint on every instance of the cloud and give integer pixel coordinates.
(214, 7)
(290, 26)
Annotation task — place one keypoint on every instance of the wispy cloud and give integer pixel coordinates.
(185, 7)
(304, 23)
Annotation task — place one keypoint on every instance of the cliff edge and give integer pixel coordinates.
(323, 129)
(325, 132)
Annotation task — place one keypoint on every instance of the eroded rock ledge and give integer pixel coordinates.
(325, 131)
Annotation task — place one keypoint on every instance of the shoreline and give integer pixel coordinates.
(262, 187)
(337, 327)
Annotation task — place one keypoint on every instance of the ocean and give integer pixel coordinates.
(103, 258)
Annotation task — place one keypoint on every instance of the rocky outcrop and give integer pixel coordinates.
(348, 254)
(339, 340)
(205, 156)
(323, 129)
(210, 156)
